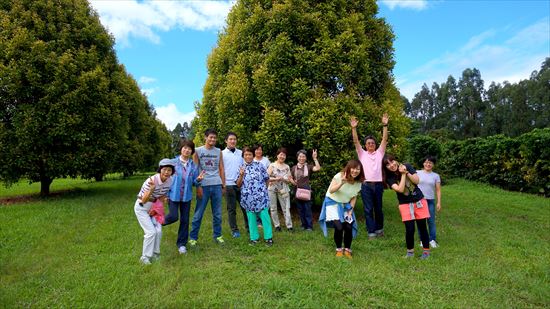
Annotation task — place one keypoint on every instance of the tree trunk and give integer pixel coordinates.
(45, 183)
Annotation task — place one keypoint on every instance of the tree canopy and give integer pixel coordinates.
(465, 109)
(291, 73)
(68, 108)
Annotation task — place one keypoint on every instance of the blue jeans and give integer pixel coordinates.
(431, 219)
(371, 194)
(214, 194)
(305, 213)
(183, 231)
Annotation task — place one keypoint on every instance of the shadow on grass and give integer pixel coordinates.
(115, 186)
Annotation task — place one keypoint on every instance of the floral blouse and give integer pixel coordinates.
(254, 195)
(279, 171)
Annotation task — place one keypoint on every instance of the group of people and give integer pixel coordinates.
(247, 177)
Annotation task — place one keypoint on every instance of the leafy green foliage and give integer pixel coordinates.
(520, 164)
(67, 107)
(291, 73)
(421, 146)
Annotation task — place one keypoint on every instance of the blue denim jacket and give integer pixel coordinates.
(341, 209)
(177, 180)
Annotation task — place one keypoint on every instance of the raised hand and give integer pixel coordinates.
(353, 122)
(385, 119)
(314, 154)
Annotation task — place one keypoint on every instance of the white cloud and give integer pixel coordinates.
(511, 60)
(125, 19)
(149, 91)
(146, 80)
(171, 116)
(406, 4)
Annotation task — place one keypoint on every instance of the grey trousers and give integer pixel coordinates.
(284, 200)
(232, 195)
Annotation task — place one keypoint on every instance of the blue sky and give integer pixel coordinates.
(165, 44)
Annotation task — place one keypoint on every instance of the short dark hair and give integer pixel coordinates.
(256, 146)
(210, 131)
(430, 158)
(248, 149)
(229, 134)
(187, 143)
(354, 163)
(371, 137)
(283, 150)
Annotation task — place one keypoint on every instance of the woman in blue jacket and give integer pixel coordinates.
(181, 192)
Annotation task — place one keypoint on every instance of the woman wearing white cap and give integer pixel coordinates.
(154, 188)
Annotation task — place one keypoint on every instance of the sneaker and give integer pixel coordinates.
(219, 240)
(278, 228)
(409, 255)
(347, 253)
(379, 233)
(236, 234)
(253, 242)
(145, 260)
(425, 255)
(339, 253)
(420, 244)
(155, 257)
(269, 242)
(309, 230)
(372, 236)
(434, 244)
(182, 250)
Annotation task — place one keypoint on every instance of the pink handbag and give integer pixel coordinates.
(303, 194)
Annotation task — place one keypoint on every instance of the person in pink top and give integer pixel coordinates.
(372, 188)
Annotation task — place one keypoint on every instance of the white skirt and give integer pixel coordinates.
(332, 213)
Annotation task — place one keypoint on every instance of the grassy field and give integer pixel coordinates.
(81, 249)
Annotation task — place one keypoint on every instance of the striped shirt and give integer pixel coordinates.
(161, 188)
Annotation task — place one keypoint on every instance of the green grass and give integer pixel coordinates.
(82, 248)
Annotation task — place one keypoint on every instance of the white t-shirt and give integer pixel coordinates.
(427, 183)
(264, 161)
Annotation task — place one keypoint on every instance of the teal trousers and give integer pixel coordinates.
(266, 222)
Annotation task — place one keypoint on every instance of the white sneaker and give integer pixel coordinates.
(182, 250)
(433, 244)
(145, 260)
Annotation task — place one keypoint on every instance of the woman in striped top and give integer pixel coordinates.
(154, 188)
